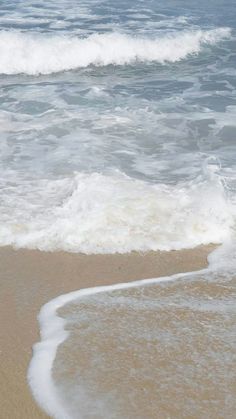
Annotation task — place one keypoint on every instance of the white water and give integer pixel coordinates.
(44, 54)
(107, 214)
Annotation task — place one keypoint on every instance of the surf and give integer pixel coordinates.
(35, 54)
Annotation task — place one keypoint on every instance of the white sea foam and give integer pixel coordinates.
(34, 54)
(94, 213)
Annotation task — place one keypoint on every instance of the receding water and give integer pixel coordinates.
(156, 351)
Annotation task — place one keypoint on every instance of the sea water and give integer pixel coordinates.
(117, 124)
(118, 129)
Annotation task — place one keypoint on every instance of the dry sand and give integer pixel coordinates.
(30, 278)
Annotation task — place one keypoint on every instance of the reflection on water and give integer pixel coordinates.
(157, 351)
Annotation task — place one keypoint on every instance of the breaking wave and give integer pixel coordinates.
(107, 214)
(35, 54)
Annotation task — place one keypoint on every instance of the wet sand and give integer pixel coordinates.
(30, 278)
(160, 351)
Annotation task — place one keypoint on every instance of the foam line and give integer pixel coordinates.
(53, 334)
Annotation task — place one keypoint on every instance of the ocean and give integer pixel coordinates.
(118, 134)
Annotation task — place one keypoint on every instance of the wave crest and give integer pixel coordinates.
(35, 54)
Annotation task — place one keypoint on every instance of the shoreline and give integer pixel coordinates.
(30, 278)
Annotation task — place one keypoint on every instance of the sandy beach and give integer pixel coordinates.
(30, 278)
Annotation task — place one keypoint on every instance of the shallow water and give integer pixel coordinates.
(156, 351)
